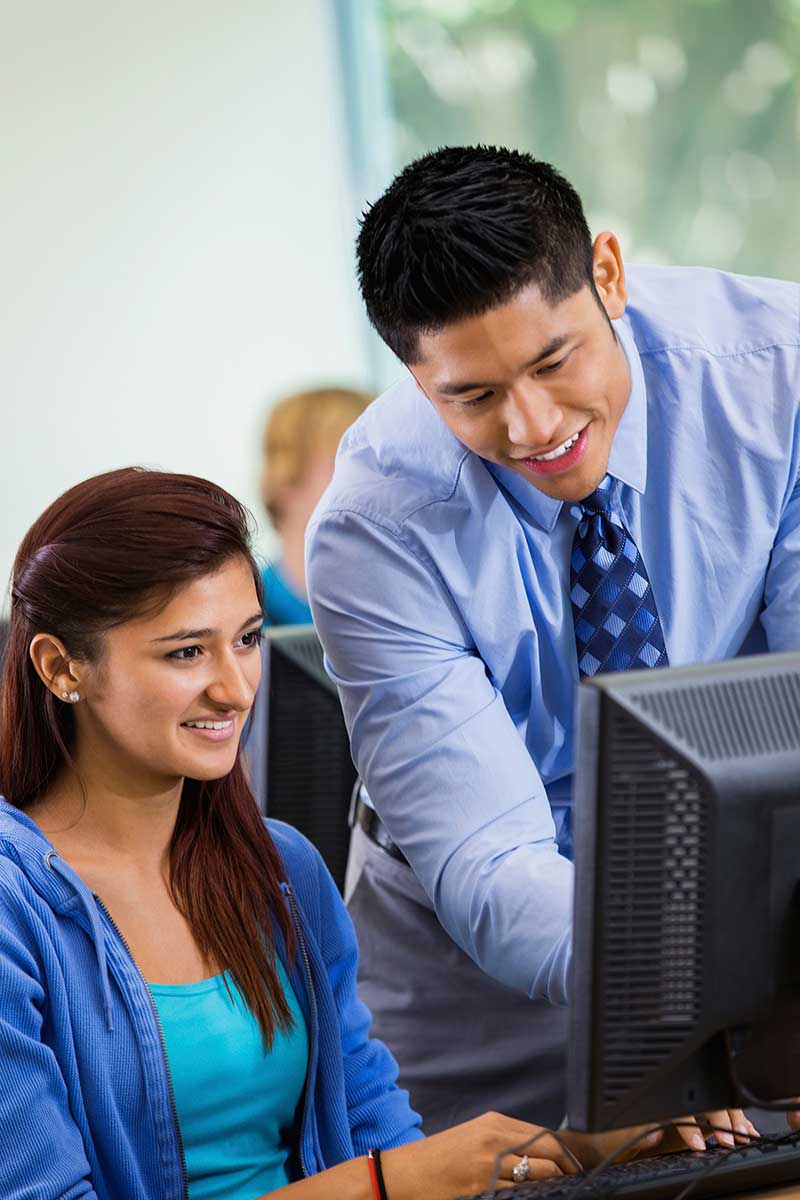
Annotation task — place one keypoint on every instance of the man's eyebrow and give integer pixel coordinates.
(555, 343)
(196, 635)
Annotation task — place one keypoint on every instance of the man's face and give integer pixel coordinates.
(529, 378)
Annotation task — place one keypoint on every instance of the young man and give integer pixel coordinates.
(461, 588)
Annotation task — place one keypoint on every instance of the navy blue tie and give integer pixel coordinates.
(617, 627)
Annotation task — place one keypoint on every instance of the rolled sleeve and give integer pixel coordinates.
(781, 614)
(439, 754)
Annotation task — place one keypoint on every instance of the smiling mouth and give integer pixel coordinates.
(208, 730)
(208, 724)
(560, 460)
(558, 452)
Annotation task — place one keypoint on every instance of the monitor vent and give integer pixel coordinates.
(300, 646)
(736, 717)
(310, 773)
(655, 834)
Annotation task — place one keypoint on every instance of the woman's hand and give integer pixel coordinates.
(461, 1161)
(730, 1127)
(593, 1148)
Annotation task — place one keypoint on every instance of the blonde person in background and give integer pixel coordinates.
(301, 437)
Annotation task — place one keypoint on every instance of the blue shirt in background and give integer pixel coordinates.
(439, 584)
(282, 605)
(236, 1102)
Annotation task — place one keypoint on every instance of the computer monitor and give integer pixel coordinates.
(297, 747)
(687, 906)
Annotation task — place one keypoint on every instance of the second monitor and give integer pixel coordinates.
(297, 746)
(686, 955)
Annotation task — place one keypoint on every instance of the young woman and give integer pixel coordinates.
(178, 1015)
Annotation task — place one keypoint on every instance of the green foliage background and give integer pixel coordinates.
(678, 122)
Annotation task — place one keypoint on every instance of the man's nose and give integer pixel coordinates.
(532, 419)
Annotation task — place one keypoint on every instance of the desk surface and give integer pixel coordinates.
(790, 1192)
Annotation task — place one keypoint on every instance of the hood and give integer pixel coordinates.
(24, 844)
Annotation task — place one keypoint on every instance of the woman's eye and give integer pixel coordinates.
(185, 654)
(252, 638)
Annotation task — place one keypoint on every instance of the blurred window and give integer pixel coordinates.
(678, 123)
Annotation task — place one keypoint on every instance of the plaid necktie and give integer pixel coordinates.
(617, 627)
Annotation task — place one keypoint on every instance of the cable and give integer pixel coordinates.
(723, 1158)
(610, 1160)
(782, 1106)
(594, 1174)
(523, 1148)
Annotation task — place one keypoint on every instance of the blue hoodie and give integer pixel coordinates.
(86, 1108)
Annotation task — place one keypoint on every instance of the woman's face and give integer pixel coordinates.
(172, 691)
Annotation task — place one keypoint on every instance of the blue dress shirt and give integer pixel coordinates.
(439, 586)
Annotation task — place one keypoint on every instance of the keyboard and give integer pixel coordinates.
(717, 1171)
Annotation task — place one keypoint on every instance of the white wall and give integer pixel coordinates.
(175, 237)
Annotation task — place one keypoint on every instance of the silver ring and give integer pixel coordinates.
(522, 1170)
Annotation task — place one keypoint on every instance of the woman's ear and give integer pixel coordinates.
(52, 664)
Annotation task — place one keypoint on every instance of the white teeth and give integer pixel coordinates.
(559, 450)
(208, 724)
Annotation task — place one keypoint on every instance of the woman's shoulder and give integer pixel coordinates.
(294, 847)
(13, 881)
(305, 869)
(22, 908)
(23, 859)
(302, 860)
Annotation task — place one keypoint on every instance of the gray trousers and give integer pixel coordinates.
(465, 1043)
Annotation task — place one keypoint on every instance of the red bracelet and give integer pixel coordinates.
(376, 1175)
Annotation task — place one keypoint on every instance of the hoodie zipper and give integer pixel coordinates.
(312, 1004)
(162, 1039)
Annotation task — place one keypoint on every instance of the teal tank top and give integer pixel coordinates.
(236, 1103)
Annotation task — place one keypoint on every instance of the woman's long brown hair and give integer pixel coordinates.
(106, 551)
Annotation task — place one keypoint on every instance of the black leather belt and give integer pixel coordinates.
(376, 831)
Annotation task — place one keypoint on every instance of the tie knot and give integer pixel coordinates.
(600, 499)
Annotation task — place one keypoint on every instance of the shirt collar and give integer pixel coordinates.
(627, 461)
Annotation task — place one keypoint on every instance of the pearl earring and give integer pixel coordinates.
(71, 697)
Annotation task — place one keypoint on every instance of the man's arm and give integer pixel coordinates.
(439, 753)
(781, 614)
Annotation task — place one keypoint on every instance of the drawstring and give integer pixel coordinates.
(87, 901)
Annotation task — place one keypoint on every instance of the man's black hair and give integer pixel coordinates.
(464, 229)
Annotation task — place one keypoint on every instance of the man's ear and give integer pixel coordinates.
(608, 270)
(54, 667)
